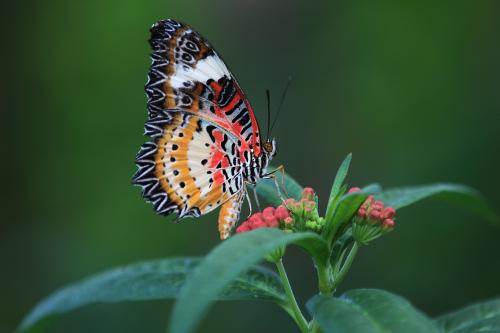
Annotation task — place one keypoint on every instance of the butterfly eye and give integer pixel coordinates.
(268, 146)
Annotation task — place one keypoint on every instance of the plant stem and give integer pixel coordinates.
(346, 266)
(297, 314)
(325, 278)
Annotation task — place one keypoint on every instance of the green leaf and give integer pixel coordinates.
(267, 188)
(346, 208)
(337, 185)
(374, 188)
(476, 318)
(317, 247)
(222, 265)
(369, 311)
(151, 280)
(455, 193)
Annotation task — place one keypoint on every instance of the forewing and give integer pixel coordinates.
(190, 167)
(187, 74)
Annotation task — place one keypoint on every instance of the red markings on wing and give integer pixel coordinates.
(255, 127)
(219, 159)
(232, 103)
(236, 127)
(219, 177)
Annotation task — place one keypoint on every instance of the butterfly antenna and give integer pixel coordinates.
(268, 94)
(281, 103)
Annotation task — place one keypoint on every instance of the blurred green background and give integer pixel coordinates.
(411, 88)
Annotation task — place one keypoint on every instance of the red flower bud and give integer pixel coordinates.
(281, 213)
(269, 211)
(375, 215)
(308, 192)
(259, 224)
(271, 221)
(255, 218)
(354, 189)
(243, 228)
(289, 220)
(388, 213)
(389, 223)
(362, 213)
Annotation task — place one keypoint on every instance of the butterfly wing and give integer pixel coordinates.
(190, 167)
(202, 126)
(187, 74)
(230, 214)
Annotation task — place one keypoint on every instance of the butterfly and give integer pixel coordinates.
(205, 145)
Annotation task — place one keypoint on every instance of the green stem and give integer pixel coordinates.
(325, 278)
(346, 266)
(294, 307)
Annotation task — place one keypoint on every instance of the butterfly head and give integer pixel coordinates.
(270, 148)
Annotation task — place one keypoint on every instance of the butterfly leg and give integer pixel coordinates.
(256, 197)
(249, 204)
(278, 188)
(272, 174)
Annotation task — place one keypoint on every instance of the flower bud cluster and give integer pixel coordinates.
(292, 215)
(372, 219)
(305, 212)
(270, 217)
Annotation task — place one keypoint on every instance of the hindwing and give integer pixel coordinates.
(190, 167)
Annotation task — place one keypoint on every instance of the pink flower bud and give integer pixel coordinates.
(308, 192)
(243, 228)
(354, 189)
(289, 201)
(255, 218)
(281, 213)
(389, 223)
(309, 204)
(269, 211)
(375, 215)
(308, 209)
(362, 213)
(259, 224)
(378, 204)
(289, 220)
(271, 221)
(388, 213)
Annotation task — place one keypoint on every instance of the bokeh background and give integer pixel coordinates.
(411, 88)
